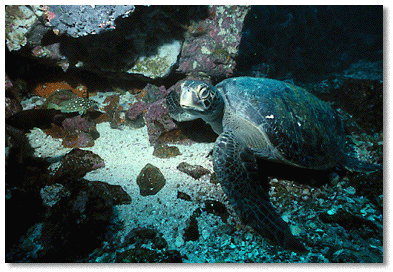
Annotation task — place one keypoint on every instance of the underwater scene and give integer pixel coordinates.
(194, 134)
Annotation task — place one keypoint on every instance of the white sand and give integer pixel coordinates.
(125, 153)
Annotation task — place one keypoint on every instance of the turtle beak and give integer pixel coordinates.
(189, 100)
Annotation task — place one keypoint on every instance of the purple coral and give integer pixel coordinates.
(212, 53)
(136, 110)
(158, 120)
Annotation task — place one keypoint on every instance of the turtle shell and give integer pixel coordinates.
(304, 130)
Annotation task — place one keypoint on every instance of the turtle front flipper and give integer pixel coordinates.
(237, 171)
(175, 110)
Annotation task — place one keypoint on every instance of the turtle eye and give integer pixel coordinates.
(204, 93)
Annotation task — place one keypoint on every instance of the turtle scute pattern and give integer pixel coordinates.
(303, 129)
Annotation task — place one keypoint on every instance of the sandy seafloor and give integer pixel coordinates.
(125, 153)
(127, 150)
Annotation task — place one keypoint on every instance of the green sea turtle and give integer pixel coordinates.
(268, 119)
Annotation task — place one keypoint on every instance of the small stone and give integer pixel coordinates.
(179, 241)
(350, 190)
(191, 232)
(183, 196)
(114, 192)
(164, 151)
(331, 211)
(195, 171)
(150, 180)
(217, 208)
(205, 234)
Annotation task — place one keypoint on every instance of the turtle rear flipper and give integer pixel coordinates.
(175, 110)
(237, 171)
(354, 165)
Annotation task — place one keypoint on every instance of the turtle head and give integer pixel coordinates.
(200, 99)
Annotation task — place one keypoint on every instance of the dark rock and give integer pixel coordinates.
(76, 225)
(217, 208)
(191, 232)
(71, 228)
(348, 220)
(150, 180)
(114, 192)
(143, 255)
(165, 151)
(75, 165)
(369, 185)
(195, 171)
(12, 106)
(22, 210)
(183, 196)
(140, 236)
(40, 118)
(51, 194)
(214, 179)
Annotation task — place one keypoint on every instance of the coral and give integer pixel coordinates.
(76, 131)
(150, 180)
(78, 124)
(80, 139)
(159, 65)
(46, 89)
(82, 20)
(19, 20)
(136, 110)
(51, 55)
(158, 120)
(195, 171)
(212, 44)
(152, 93)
